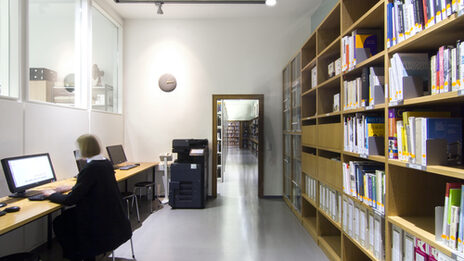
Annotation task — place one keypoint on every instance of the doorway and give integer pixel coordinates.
(250, 136)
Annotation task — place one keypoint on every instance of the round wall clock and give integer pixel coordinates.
(167, 82)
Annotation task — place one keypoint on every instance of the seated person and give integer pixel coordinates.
(98, 223)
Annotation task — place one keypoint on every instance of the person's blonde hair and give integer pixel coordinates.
(88, 145)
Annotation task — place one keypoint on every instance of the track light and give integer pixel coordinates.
(271, 2)
(160, 5)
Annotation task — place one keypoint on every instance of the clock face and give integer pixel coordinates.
(167, 82)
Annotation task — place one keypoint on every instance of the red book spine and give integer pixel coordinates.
(426, 19)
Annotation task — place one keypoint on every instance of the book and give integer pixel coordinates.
(393, 116)
(390, 7)
(454, 70)
(421, 250)
(399, 135)
(397, 243)
(446, 229)
(433, 75)
(453, 216)
(454, 222)
(314, 77)
(408, 248)
(410, 65)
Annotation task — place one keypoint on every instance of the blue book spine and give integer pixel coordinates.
(390, 7)
(369, 182)
(371, 119)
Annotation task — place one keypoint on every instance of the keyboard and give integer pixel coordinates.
(126, 167)
(38, 197)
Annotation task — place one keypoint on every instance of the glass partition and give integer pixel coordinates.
(53, 54)
(105, 63)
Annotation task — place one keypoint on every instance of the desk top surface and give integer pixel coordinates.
(31, 210)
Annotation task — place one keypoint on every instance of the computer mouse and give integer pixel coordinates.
(2, 205)
(2, 213)
(12, 209)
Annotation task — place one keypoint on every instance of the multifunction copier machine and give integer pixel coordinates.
(189, 174)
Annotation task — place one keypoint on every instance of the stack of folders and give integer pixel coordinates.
(367, 90)
(447, 69)
(311, 188)
(406, 247)
(451, 218)
(330, 202)
(359, 46)
(365, 181)
(365, 226)
(425, 137)
(364, 134)
(405, 18)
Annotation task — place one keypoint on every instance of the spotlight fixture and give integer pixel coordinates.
(160, 5)
(271, 2)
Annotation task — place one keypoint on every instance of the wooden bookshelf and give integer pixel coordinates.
(412, 191)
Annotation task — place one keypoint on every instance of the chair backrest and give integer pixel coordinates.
(79, 161)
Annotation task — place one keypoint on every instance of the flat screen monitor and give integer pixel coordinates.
(80, 162)
(116, 153)
(25, 172)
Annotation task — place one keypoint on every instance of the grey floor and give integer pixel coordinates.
(235, 226)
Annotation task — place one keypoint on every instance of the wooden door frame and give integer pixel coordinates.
(260, 98)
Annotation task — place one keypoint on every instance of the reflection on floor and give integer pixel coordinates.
(237, 226)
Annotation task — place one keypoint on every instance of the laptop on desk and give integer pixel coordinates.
(118, 158)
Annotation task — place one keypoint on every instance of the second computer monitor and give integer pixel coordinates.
(116, 153)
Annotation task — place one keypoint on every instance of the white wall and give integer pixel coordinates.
(217, 56)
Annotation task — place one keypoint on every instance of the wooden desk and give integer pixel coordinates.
(32, 210)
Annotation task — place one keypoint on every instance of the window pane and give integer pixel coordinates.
(52, 50)
(4, 48)
(104, 63)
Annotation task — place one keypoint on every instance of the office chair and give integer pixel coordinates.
(132, 248)
(127, 196)
(148, 186)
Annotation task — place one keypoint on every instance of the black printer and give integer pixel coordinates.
(189, 174)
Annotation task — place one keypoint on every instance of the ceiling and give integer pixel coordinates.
(284, 8)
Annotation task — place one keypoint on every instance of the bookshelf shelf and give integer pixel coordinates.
(377, 59)
(308, 56)
(310, 224)
(421, 227)
(332, 82)
(377, 158)
(443, 33)
(329, 30)
(331, 50)
(363, 204)
(308, 92)
(310, 65)
(309, 200)
(330, 114)
(453, 172)
(372, 18)
(448, 97)
(377, 107)
(366, 251)
(329, 218)
(331, 245)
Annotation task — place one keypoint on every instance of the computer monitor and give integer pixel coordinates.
(25, 172)
(116, 153)
(80, 162)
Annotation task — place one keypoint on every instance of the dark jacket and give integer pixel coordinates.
(98, 220)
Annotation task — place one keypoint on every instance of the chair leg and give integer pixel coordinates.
(151, 201)
(128, 209)
(137, 208)
(114, 258)
(132, 247)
